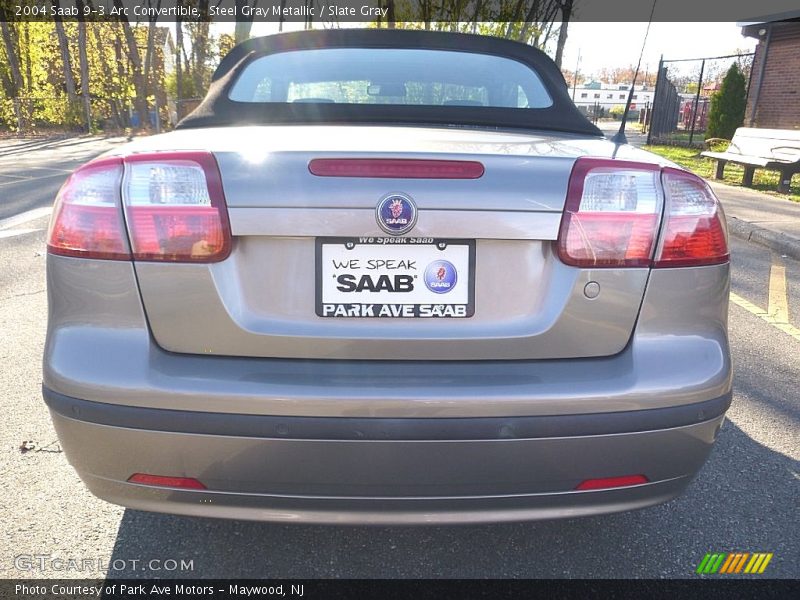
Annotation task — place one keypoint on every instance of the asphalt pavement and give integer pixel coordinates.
(746, 498)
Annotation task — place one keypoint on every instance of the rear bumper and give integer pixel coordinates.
(372, 441)
(381, 471)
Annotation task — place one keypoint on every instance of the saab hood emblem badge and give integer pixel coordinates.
(396, 214)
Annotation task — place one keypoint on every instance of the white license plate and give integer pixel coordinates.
(395, 277)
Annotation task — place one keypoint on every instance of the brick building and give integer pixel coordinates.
(773, 100)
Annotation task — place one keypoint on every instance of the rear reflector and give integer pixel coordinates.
(612, 213)
(175, 208)
(188, 483)
(694, 231)
(396, 168)
(612, 482)
(87, 217)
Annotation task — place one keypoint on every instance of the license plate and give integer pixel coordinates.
(395, 277)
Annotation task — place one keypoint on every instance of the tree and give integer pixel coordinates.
(136, 65)
(727, 105)
(11, 56)
(566, 13)
(179, 60)
(83, 59)
(624, 75)
(617, 111)
(63, 45)
(533, 22)
(243, 23)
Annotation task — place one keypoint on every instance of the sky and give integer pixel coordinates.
(610, 45)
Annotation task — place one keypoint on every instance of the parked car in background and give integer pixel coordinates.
(386, 277)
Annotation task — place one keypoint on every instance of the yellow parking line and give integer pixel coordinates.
(777, 313)
(763, 314)
(778, 301)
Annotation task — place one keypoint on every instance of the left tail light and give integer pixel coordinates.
(87, 217)
(173, 204)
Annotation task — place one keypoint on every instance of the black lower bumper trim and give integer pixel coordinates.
(370, 428)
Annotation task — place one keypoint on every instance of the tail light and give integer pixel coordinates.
(694, 232)
(87, 216)
(613, 213)
(173, 204)
(175, 207)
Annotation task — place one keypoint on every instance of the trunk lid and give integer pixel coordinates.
(264, 299)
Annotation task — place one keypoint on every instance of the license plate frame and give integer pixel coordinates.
(453, 252)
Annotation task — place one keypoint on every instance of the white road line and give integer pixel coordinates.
(15, 232)
(31, 179)
(30, 171)
(26, 217)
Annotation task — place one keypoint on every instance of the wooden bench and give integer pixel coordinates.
(773, 149)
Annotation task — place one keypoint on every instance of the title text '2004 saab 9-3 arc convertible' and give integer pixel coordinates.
(386, 277)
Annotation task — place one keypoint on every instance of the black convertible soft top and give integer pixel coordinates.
(217, 109)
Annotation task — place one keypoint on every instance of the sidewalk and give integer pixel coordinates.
(761, 218)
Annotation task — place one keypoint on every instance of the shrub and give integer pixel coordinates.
(728, 105)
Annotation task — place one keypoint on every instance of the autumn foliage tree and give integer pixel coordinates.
(92, 75)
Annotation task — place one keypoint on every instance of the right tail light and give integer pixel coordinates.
(694, 231)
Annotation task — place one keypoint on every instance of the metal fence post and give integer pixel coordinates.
(697, 100)
(655, 95)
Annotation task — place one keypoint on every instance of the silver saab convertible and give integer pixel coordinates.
(386, 277)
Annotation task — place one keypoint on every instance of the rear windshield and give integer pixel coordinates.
(410, 77)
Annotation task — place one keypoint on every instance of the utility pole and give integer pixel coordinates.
(575, 75)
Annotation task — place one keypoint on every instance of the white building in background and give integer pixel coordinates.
(608, 95)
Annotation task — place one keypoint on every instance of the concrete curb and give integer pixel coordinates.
(779, 242)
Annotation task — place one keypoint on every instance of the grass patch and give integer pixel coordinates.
(689, 158)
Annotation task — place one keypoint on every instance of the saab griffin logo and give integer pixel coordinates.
(396, 214)
(440, 276)
(734, 562)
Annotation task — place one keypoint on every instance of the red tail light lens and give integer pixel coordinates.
(403, 168)
(612, 214)
(173, 203)
(694, 231)
(87, 217)
(175, 208)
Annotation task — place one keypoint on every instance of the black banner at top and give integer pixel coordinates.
(332, 12)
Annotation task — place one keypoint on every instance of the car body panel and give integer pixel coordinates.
(99, 348)
(260, 302)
